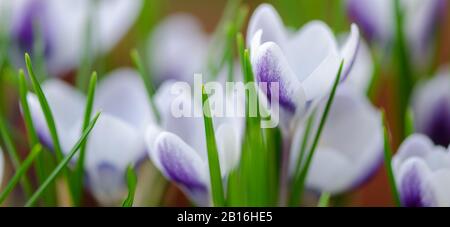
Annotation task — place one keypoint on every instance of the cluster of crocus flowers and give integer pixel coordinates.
(422, 172)
(117, 140)
(64, 28)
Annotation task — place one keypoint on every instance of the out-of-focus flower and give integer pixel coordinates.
(178, 48)
(178, 150)
(377, 20)
(422, 172)
(431, 105)
(2, 163)
(63, 25)
(305, 62)
(351, 145)
(117, 139)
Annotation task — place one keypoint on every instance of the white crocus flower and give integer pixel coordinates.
(304, 62)
(351, 144)
(178, 149)
(116, 141)
(422, 172)
(63, 27)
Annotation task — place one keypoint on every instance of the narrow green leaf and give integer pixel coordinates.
(213, 156)
(79, 171)
(304, 141)
(131, 182)
(86, 54)
(20, 172)
(63, 163)
(324, 199)
(147, 78)
(299, 183)
(13, 154)
(387, 163)
(40, 165)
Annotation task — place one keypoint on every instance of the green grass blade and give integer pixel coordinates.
(131, 182)
(13, 154)
(409, 122)
(63, 163)
(147, 78)
(20, 172)
(324, 199)
(304, 141)
(213, 156)
(86, 54)
(79, 171)
(387, 163)
(299, 183)
(40, 164)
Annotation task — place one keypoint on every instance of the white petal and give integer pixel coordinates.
(439, 182)
(229, 147)
(115, 142)
(122, 94)
(307, 49)
(266, 18)
(67, 106)
(361, 73)
(416, 145)
(180, 163)
(349, 50)
(178, 48)
(151, 135)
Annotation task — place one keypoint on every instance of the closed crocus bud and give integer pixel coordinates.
(116, 141)
(422, 172)
(178, 48)
(351, 144)
(304, 63)
(376, 19)
(178, 148)
(431, 106)
(63, 26)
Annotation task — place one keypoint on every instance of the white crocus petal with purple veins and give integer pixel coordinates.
(422, 172)
(117, 139)
(377, 19)
(304, 63)
(431, 106)
(181, 47)
(2, 166)
(63, 26)
(178, 149)
(351, 145)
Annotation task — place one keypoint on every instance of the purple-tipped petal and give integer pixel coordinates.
(411, 183)
(180, 163)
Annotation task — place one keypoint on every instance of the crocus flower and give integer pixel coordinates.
(63, 24)
(422, 172)
(362, 71)
(431, 106)
(351, 145)
(304, 63)
(2, 163)
(116, 141)
(178, 149)
(377, 20)
(178, 48)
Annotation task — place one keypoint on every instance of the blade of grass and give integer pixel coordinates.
(87, 52)
(324, 199)
(20, 172)
(131, 181)
(32, 136)
(63, 163)
(299, 183)
(213, 156)
(79, 171)
(304, 141)
(13, 154)
(387, 163)
(49, 120)
(147, 78)
(409, 122)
